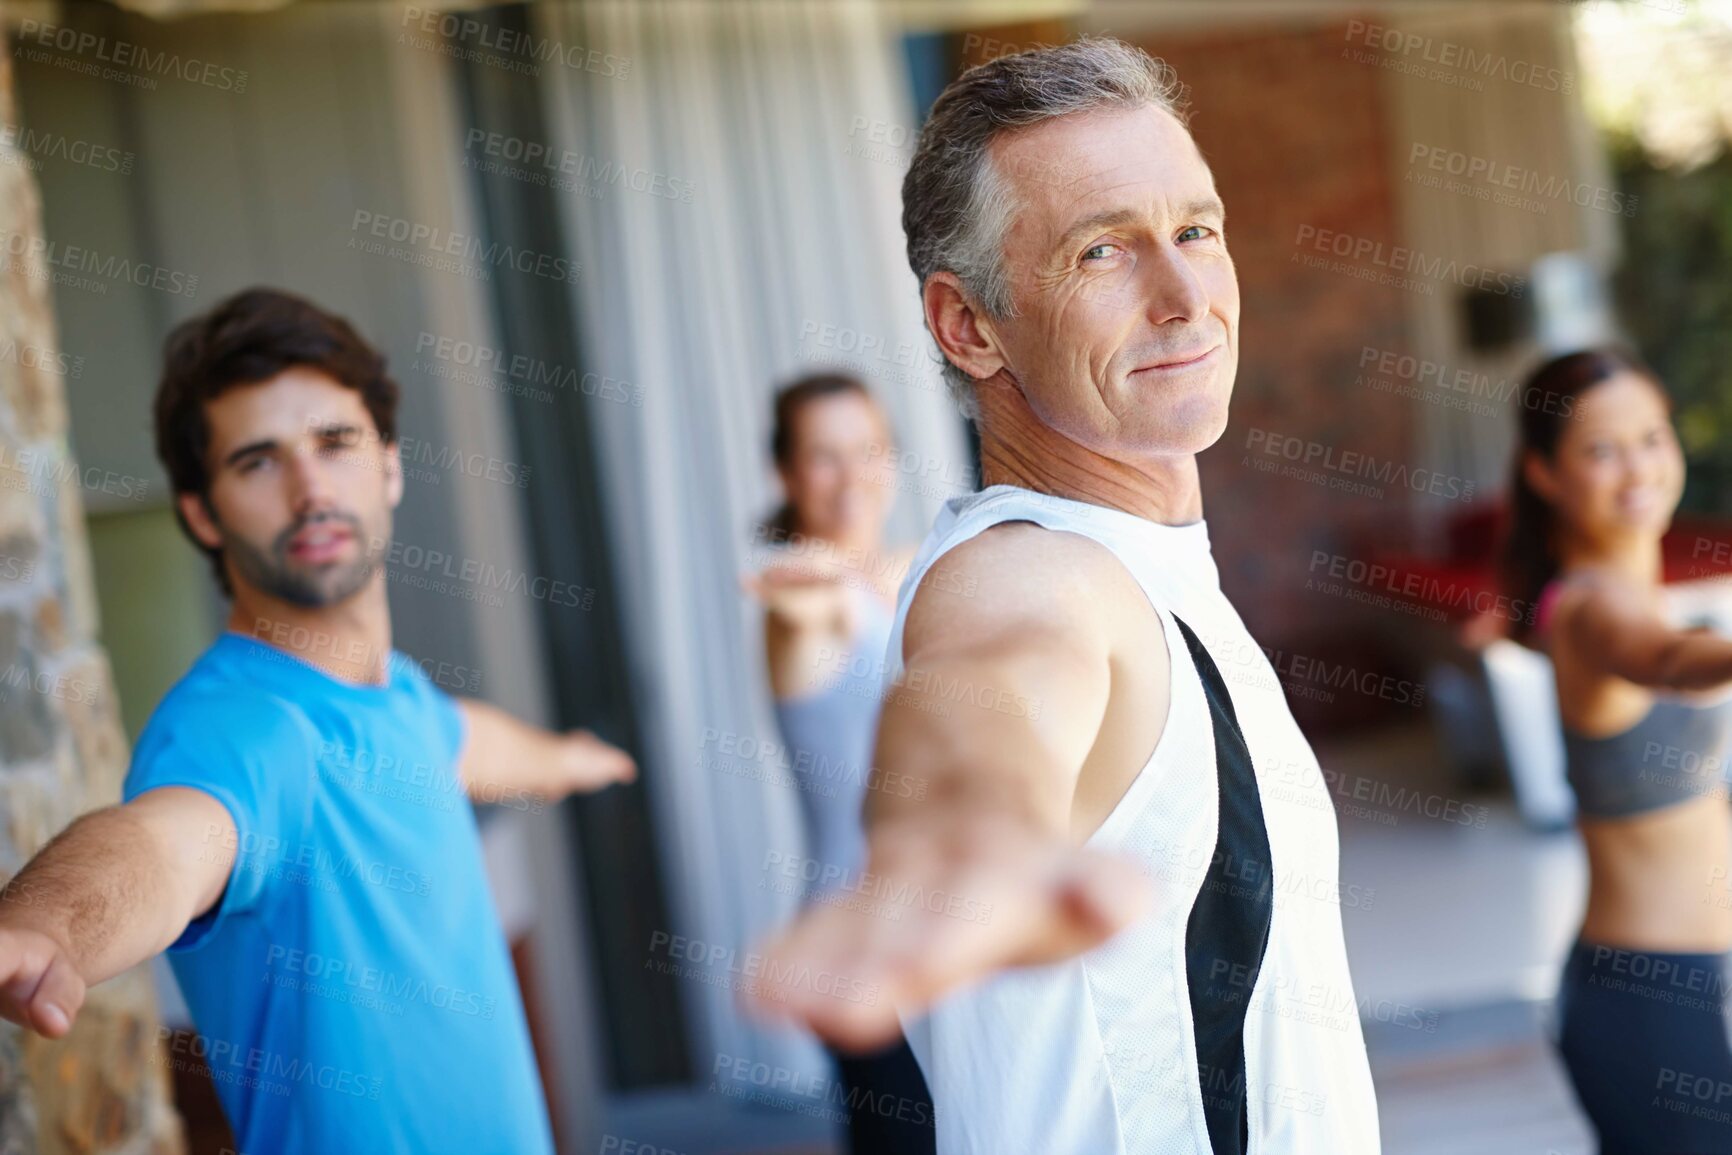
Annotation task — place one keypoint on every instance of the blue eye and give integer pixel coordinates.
(1198, 229)
(1096, 249)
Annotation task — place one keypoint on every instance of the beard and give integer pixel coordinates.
(271, 571)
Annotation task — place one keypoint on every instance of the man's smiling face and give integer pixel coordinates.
(1126, 333)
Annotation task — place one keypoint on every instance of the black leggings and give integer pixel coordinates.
(1643, 1034)
(890, 1108)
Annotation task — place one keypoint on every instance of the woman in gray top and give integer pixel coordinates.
(829, 592)
(1597, 477)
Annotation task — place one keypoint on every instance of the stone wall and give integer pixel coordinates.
(103, 1088)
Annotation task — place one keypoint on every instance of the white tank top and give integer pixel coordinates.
(1224, 1020)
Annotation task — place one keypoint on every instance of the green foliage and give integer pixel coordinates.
(1674, 293)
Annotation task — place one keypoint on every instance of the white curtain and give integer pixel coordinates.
(756, 236)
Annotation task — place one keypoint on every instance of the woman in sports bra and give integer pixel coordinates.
(829, 595)
(1597, 476)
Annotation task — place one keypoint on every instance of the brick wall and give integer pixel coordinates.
(103, 1088)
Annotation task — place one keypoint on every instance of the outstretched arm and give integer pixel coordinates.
(504, 758)
(114, 888)
(1616, 631)
(807, 612)
(984, 834)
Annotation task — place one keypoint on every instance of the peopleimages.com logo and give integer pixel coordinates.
(131, 62)
(1371, 254)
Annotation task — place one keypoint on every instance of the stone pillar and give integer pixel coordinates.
(104, 1088)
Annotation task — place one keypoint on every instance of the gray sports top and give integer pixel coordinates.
(829, 734)
(1676, 753)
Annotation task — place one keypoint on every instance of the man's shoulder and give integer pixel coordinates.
(214, 702)
(1022, 571)
(228, 739)
(1019, 553)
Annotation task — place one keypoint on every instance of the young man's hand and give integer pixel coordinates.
(505, 757)
(39, 986)
(113, 889)
(587, 763)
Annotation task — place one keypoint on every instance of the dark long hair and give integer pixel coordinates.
(790, 399)
(1550, 400)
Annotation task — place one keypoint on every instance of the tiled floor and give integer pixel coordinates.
(1510, 1100)
(1465, 929)
(1472, 907)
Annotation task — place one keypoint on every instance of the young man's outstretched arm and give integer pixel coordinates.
(504, 758)
(113, 889)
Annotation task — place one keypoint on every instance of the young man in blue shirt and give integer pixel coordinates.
(296, 829)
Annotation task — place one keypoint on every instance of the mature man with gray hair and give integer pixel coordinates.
(1115, 923)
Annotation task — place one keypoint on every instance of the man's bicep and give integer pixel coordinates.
(197, 836)
(1029, 706)
(1023, 601)
(471, 740)
(488, 742)
(1011, 683)
(252, 764)
(1010, 665)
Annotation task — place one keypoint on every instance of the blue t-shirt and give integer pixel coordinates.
(352, 988)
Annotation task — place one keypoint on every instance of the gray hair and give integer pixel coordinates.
(956, 205)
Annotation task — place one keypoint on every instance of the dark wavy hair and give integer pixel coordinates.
(1550, 400)
(790, 399)
(244, 340)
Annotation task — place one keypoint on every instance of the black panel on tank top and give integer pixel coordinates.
(1228, 929)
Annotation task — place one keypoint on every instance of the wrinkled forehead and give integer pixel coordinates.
(1071, 167)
